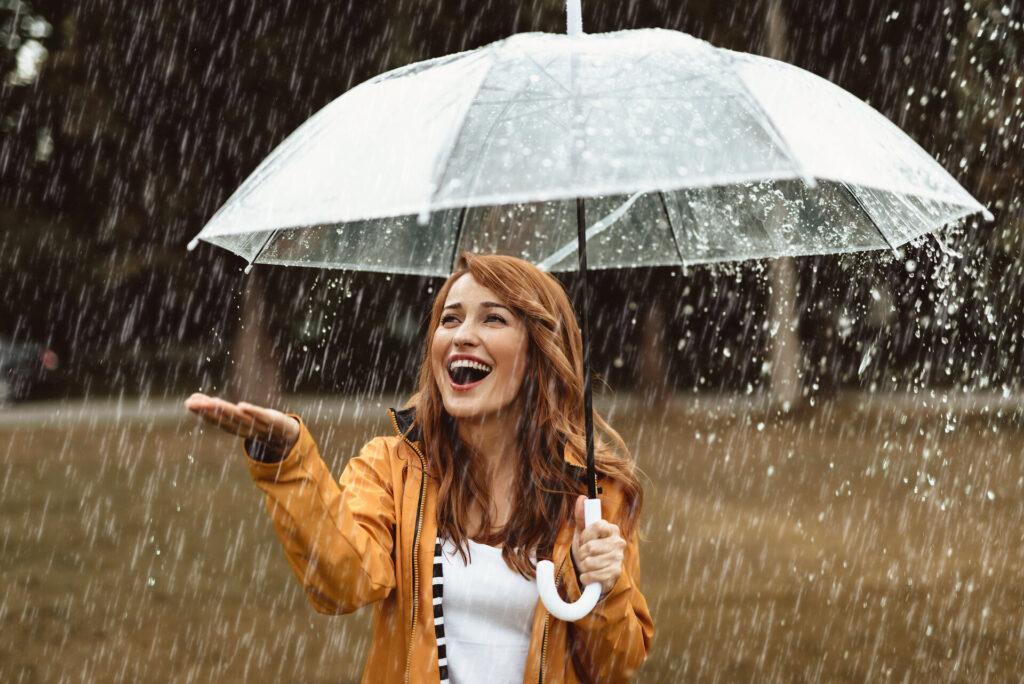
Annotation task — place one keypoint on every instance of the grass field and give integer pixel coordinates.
(834, 545)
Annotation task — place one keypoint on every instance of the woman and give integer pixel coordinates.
(440, 525)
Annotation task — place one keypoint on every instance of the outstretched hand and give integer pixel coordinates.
(278, 431)
(597, 551)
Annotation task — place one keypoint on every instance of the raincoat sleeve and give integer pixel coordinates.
(611, 643)
(338, 536)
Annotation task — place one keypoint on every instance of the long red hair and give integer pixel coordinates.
(552, 420)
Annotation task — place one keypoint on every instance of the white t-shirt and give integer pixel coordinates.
(488, 611)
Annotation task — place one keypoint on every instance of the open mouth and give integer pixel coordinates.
(465, 373)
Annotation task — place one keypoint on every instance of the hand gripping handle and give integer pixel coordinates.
(569, 612)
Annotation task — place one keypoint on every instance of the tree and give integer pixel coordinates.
(783, 319)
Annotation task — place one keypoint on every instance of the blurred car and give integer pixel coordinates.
(24, 366)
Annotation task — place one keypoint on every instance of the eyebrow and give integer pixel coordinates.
(490, 305)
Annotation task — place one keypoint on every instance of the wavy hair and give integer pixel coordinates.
(551, 421)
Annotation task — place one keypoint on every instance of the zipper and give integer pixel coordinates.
(547, 618)
(415, 541)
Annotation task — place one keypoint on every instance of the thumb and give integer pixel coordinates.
(578, 513)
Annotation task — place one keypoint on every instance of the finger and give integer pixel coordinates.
(597, 563)
(595, 531)
(608, 571)
(227, 410)
(599, 547)
(258, 416)
(224, 421)
(277, 425)
(246, 425)
(197, 401)
(605, 579)
(614, 540)
(255, 411)
(229, 418)
(600, 550)
(578, 512)
(600, 530)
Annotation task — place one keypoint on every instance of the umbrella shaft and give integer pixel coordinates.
(588, 400)
(573, 17)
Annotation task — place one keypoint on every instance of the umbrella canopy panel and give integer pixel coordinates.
(719, 156)
(706, 225)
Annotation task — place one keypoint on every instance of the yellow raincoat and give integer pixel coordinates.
(369, 538)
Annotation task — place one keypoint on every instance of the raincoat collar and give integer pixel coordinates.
(405, 420)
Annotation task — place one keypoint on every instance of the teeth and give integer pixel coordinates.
(466, 363)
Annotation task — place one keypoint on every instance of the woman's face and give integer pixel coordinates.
(478, 354)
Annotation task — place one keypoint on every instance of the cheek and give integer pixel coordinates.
(519, 360)
(438, 348)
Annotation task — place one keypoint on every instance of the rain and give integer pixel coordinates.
(830, 443)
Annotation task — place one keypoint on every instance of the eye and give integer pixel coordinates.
(449, 318)
(494, 317)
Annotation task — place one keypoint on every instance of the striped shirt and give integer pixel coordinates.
(482, 616)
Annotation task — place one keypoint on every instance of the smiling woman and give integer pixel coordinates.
(477, 340)
(484, 476)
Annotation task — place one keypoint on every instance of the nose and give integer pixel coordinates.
(465, 335)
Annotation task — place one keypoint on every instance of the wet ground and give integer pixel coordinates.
(839, 544)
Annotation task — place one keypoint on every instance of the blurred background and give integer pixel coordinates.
(834, 443)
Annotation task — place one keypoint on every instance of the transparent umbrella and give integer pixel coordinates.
(683, 152)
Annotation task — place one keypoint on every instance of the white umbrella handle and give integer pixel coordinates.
(569, 612)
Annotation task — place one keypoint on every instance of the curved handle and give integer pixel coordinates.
(569, 612)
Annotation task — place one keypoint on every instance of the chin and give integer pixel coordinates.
(468, 409)
(465, 408)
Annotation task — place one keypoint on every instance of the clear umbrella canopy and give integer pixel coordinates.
(685, 153)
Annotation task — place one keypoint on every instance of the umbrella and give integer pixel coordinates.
(687, 153)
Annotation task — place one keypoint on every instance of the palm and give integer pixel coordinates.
(277, 430)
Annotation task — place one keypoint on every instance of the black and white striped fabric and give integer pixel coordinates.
(438, 593)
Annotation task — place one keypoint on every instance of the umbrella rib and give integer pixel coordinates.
(458, 234)
(606, 222)
(650, 165)
(262, 248)
(457, 138)
(864, 210)
(772, 130)
(541, 110)
(664, 204)
(485, 143)
(548, 74)
(671, 228)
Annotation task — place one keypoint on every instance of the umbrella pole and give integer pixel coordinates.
(588, 400)
(546, 587)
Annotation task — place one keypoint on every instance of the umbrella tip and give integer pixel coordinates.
(193, 243)
(423, 218)
(574, 17)
(248, 269)
(988, 215)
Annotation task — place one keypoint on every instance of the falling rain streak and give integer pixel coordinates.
(831, 444)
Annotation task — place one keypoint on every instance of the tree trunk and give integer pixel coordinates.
(784, 384)
(653, 366)
(255, 374)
